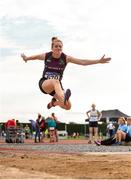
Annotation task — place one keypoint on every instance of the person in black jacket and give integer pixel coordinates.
(37, 132)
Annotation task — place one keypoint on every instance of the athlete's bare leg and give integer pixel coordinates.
(54, 85)
(96, 133)
(66, 106)
(90, 134)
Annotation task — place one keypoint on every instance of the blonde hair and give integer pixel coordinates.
(123, 119)
(93, 105)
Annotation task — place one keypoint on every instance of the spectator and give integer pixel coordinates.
(128, 134)
(37, 133)
(0, 130)
(93, 116)
(51, 124)
(111, 129)
(120, 135)
(74, 135)
(56, 129)
(42, 128)
(77, 135)
(27, 131)
(10, 129)
(10, 122)
(121, 131)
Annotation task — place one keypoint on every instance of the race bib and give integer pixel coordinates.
(93, 119)
(52, 75)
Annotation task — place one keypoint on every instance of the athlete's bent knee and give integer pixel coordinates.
(67, 107)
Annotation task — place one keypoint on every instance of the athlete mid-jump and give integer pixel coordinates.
(55, 62)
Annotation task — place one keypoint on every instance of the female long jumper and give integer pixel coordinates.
(55, 63)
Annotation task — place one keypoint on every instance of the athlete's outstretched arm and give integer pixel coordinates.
(85, 62)
(34, 57)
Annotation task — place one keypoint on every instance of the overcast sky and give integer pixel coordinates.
(88, 29)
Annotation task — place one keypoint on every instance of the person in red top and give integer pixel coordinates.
(10, 122)
(10, 127)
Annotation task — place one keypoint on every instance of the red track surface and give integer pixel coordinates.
(23, 149)
(72, 141)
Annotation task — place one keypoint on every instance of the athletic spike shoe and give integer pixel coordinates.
(67, 95)
(98, 143)
(51, 104)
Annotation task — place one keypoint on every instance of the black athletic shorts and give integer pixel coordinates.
(40, 86)
(93, 124)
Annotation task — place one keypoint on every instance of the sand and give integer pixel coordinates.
(27, 165)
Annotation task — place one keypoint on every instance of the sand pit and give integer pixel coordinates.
(28, 163)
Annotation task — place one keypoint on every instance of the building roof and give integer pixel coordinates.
(113, 114)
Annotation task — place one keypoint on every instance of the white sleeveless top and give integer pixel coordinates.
(93, 116)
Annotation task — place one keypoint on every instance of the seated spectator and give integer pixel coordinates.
(121, 131)
(124, 135)
(128, 134)
(119, 136)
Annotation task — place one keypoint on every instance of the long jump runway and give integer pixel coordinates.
(63, 146)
